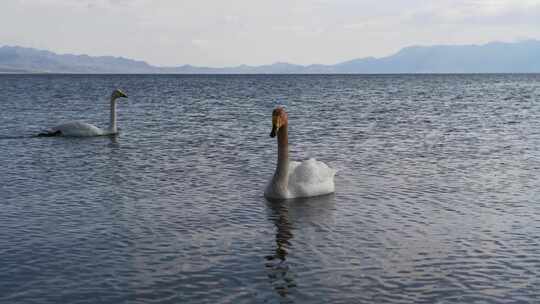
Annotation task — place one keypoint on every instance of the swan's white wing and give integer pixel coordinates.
(310, 178)
(78, 129)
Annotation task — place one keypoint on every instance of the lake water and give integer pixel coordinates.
(437, 192)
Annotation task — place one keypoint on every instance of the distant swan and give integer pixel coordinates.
(294, 179)
(82, 129)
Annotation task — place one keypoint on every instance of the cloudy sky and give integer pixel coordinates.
(232, 32)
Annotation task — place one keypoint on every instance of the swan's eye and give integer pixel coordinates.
(275, 121)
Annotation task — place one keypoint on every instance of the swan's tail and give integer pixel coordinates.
(49, 133)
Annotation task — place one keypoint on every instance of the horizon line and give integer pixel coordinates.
(275, 62)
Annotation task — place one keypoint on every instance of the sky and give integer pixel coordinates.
(221, 33)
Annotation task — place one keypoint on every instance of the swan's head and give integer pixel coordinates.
(118, 94)
(279, 119)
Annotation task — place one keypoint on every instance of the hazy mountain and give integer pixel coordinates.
(495, 57)
(32, 60)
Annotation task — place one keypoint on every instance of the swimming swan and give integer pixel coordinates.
(294, 179)
(82, 129)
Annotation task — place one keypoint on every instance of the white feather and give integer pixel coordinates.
(78, 129)
(305, 179)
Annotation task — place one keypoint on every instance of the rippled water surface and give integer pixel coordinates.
(437, 191)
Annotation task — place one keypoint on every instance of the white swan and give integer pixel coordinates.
(82, 129)
(296, 179)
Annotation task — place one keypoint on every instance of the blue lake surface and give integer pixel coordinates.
(437, 192)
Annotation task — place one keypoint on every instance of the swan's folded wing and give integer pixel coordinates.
(311, 178)
(77, 128)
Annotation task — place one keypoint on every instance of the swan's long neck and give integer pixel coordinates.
(281, 177)
(112, 126)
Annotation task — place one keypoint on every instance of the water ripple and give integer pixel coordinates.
(436, 197)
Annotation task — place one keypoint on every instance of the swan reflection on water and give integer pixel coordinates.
(288, 216)
(113, 141)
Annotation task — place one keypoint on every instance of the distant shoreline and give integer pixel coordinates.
(491, 58)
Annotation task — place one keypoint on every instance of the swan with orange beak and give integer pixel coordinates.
(294, 179)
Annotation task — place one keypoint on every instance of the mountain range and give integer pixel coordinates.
(494, 57)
